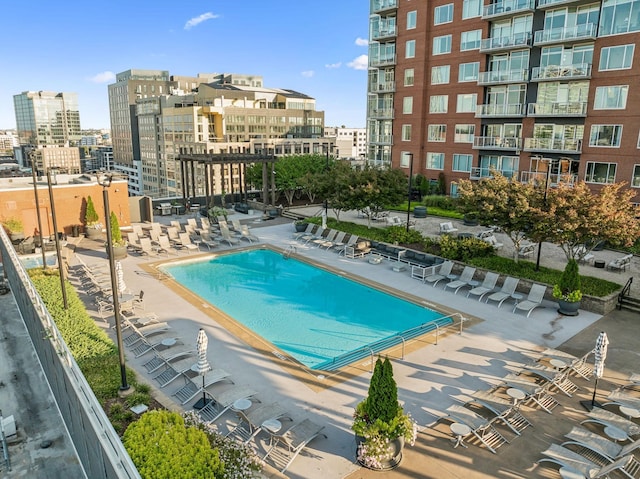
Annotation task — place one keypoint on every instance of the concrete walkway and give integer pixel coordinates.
(429, 378)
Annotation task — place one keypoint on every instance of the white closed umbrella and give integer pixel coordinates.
(203, 365)
(600, 354)
(120, 278)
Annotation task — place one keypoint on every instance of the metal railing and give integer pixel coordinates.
(553, 144)
(517, 40)
(503, 76)
(500, 109)
(572, 108)
(507, 7)
(561, 72)
(624, 293)
(497, 142)
(370, 350)
(564, 34)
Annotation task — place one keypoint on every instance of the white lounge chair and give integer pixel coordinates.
(253, 420)
(488, 285)
(447, 228)
(194, 386)
(444, 272)
(568, 459)
(285, 447)
(508, 288)
(590, 442)
(534, 299)
(479, 427)
(466, 279)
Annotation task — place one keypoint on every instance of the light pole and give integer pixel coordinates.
(32, 156)
(546, 188)
(106, 183)
(409, 196)
(57, 240)
(326, 169)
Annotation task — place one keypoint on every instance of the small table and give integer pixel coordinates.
(399, 267)
(272, 425)
(460, 431)
(452, 277)
(517, 297)
(169, 342)
(615, 433)
(630, 412)
(241, 404)
(516, 394)
(473, 283)
(599, 264)
(558, 364)
(567, 473)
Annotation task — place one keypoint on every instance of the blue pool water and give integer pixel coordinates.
(35, 261)
(311, 314)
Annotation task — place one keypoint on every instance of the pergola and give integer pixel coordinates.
(211, 160)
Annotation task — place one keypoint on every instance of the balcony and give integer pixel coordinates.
(501, 110)
(507, 8)
(386, 87)
(381, 6)
(384, 33)
(578, 71)
(554, 178)
(573, 108)
(544, 4)
(503, 76)
(497, 143)
(381, 113)
(382, 61)
(480, 172)
(565, 35)
(553, 145)
(512, 42)
(381, 139)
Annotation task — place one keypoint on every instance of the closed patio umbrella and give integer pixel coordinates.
(600, 354)
(203, 365)
(120, 277)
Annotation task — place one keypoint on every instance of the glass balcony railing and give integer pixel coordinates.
(540, 177)
(385, 87)
(382, 61)
(503, 76)
(381, 139)
(563, 35)
(381, 113)
(507, 7)
(576, 71)
(380, 33)
(572, 108)
(497, 143)
(511, 42)
(554, 3)
(500, 110)
(559, 145)
(379, 6)
(479, 172)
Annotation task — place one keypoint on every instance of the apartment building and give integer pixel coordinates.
(532, 88)
(350, 143)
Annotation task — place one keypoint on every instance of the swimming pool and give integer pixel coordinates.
(311, 314)
(35, 260)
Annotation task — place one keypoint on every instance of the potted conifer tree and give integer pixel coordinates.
(567, 291)
(93, 227)
(119, 245)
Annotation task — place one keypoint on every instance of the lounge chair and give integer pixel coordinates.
(317, 235)
(605, 418)
(337, 241)
(534, 299)
(162, 358)
(504, 410)
(252, 421)
(465, 280)
(508, 288)
(208, 241)
(174, 370)
(444, 272)
(161, 342)
(308, 230)
(139, 334)
(165, 245)
(582, 254)
(557, 378)
(147, 248)
(247, 235)
(353, 239)
(174, 235)
(568, 459)
(526, 250)
(488, 285)
(137, 229)
(596, 447)
(493, 241)
(223, 401)
(328, 239)
(633, 381)
(226, 236)
(620, 264)
(285, 447)
(186, 243)
(133, 242)
(447, 228)
(536, 393)
(480, 427)
(576, 365)
(194, 386)
(622, 398)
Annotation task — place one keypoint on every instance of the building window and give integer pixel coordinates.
(438, 103)
(442, 45)
(635, 179)
(443, 14)
(600, 172)
(406, 132)
(435, 161)
(471, 8)
(407, 105)
(408, 77)
(462, 162)
(466, 103)
(440, 75)
(619, 57)
(437, 133)
(470, 40)
(619, 16)
(468, 71)
(611, 97)
(412, 18)
(405, 159)
(410, 49)
(605, 135)
(464, 133)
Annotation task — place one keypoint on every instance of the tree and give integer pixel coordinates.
(576, 216)
(504, 202)
(116, 234)
(90, 216)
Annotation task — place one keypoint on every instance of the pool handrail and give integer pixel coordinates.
(402, 337)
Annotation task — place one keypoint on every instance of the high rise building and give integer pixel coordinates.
(530, 88)
(350, 143)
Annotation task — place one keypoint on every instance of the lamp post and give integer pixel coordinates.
(326, 169)
(546, 188)
(57, 240)
(32, 156)
(409, 196)
(106, 183)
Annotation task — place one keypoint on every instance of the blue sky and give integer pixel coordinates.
(316, 48)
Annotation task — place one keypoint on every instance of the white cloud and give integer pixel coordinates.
(195, 21)
(103, 77)
(362, 42)
(308, 73)
(359, 63)
(333, 65)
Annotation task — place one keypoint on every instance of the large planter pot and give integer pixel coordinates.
(391, 461)
(119, 252)
(568, 309)
(300, 227)
(93, 233)
(420, 212)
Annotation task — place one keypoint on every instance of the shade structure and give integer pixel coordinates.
(600, 354)
(120, 278)
(203, 366)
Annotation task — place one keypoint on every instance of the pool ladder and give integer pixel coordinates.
(289, 251)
